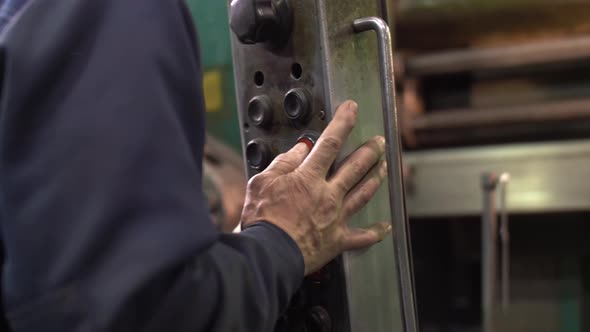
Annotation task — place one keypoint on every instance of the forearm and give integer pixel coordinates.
(104, 223)
(242, 283)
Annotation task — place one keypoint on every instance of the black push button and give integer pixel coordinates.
(260, 111)
(258, 154)
(297, 104)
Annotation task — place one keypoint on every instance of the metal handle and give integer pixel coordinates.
(397, 200)
(489, 250)
(494, 186)
(505, 239)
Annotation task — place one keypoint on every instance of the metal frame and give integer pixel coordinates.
(397, 200)
(576, 48)
(545, 177)
(368, 290)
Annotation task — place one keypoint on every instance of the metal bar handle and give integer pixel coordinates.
(489, 252)
(393, 153)
(505, 239)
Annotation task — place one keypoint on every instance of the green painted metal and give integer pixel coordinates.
(214, 36)
(571, 290)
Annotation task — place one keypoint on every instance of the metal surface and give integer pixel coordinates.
(548, 112)
(489, 252)
(362, 293)
(394, 167)
(545, 177)
(493, 191)
(457, 23)
(351, 69)
(500, 57)
(388, 12)
(505, 240)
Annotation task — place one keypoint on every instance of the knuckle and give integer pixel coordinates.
(374, 183)
(364, 196)
(352, 173)
(284, 161)
(357, 169)
(307, 174)
(281, 157)
(256, 183)
(332, 143)
(361, 198)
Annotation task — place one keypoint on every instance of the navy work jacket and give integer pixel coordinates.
(104, 226)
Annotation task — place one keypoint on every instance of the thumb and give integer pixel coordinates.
(359, 238)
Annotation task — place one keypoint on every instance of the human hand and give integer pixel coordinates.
(296, 194)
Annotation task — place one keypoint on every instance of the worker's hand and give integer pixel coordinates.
(295, 193)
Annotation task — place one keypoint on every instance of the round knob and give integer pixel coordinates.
(318, 320)
(257, 21)
(258, 154)
(297, 105)
(260, 111)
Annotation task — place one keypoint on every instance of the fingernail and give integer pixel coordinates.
(302, 147)
(352, 105)
(381, 141)
(388, 229)
(383, 169)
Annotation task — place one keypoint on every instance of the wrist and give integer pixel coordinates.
(280, 242)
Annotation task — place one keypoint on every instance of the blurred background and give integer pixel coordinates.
(485, 87)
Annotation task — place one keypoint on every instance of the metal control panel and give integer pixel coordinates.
(295, 62)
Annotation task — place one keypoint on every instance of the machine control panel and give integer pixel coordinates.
(295, 61)
(283, 102)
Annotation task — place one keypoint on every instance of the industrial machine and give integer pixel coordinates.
(294, 63)
(486, 86)
(497, 86)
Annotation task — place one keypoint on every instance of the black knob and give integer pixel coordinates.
(258, 154)
(257, 21)
(260, 111)
(318, 320)
(297, 104)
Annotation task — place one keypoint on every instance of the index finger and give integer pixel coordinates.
(324, 153)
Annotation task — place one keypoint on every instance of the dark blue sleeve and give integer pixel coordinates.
(103, 220)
